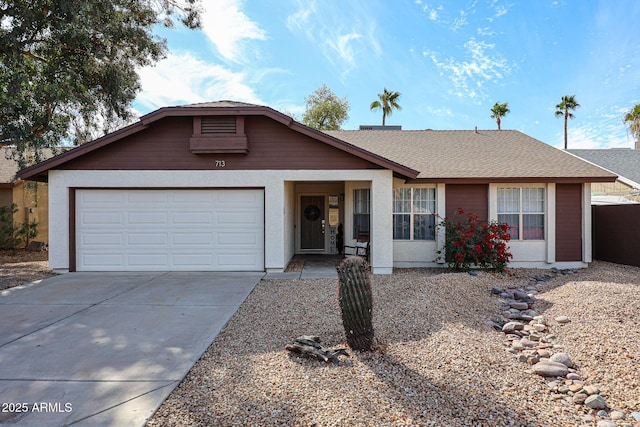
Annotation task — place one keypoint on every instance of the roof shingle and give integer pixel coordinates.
(467, 154)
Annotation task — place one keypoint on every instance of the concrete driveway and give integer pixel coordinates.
(107, 348)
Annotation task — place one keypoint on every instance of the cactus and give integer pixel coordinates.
(354, 296)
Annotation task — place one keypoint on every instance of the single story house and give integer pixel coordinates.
(31, 198)
(232, 186)
(624, 162)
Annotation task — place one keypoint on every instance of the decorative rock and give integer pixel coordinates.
(591, 390)
(574, 376)
(496, 290)
(579, 398)
(575, 388)
(512, 326)
(562, 319)
(636, 416)
(595, 402)
(617, 415)
(539, 327)
(547, 368)
(607, 423)
(540, 319)
(520, 295)
(545, 354)
(519, 305)
(527, 343)
(562, 358)
(602, 413)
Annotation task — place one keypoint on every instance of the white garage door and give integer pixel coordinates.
(170, 230)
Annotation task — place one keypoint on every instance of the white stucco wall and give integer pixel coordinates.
(278, 203)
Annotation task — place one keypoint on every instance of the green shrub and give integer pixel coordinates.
(13, 234)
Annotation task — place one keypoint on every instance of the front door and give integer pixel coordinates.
(312, 223)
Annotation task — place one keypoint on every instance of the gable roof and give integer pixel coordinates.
(39, 172)
(426, 155)
(624, 162)
(481, 156)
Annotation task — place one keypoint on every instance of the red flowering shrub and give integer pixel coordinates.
(471, 242)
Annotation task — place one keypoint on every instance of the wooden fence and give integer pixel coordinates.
(616, 233)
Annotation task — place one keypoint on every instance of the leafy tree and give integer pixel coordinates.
(387, 101)
(325, 111)
(498, 111)
(70, 66)
(563, 109)
(632, 120)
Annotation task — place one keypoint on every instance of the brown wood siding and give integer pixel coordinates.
(470, 197)
(616, 234)
(568, 222)
(165, 146)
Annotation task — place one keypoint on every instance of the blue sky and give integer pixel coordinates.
(450, 60)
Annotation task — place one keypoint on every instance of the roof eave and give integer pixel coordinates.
(490, 180)
(39, 172)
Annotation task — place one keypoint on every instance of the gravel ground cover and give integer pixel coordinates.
(438, 363)
(19, 267)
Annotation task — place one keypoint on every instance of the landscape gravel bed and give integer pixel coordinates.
(19, 267)
(439, 362)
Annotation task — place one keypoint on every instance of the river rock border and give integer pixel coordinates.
(529, 336)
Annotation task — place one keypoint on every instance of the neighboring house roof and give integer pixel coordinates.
(427, 155)
(623, 162)
(8, 169)
(449, 155)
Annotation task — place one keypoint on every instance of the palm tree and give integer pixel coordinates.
(498, 111)
(388, 101)
(632, 120)
(565, 107)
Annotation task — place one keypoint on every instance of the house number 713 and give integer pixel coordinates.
(220, 163)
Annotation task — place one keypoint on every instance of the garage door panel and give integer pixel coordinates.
(143, 197)
(248, 219)
(194, 261)
(187, 197)
(100, 218)
(190, 217)
(236, 261)
(102, 239)
(248, 240)
(147, 239)
(147, 260)
(103, 260)
(193, 239)
(147, 218)
(164, 230)
(110, 199)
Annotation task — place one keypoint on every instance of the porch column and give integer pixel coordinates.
(381, 221)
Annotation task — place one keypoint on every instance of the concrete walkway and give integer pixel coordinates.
(106, 349)
(315, 267)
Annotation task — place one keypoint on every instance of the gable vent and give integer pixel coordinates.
(214, 125)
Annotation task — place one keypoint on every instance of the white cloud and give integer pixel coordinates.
(228, 28)
(479, 66)
(343, 40)
(198, 81)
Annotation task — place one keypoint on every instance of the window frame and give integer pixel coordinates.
(357, 205)
(522, 213)
(412, 213)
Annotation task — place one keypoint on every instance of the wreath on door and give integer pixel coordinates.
(312, 212)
